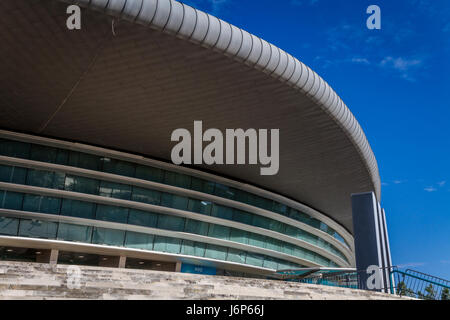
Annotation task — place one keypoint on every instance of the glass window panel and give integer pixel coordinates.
(74, 208)
(301, 253)
(193, 248)
(285, 265)
(86, 161)
(112, 213)
(224, 191)
(196, 227)
(260, 221)
(277, 226)
(260, 202)
(215, 252)
(139, 240)
(43, 153)
(177, 179)
(41, 204)
(293, 231)
(236, 255)
(115, 190)
(149, 173)
(146, 195)
(241, 196)
(169, 222)
(173, 245)
(270, 263)
(45, 179)
(280, 208)
(288, 248)
(254, 259)
(62, 157)
(15, 149)
(201, 185)
(220, 232)
(257, 240)
(222, 212)
(108, 236)
(71, 232)
(118, 167)
(81, 184)
(143, 218)
(165, 244)
(203, 207)
(174, 201)
(37, 229)
(241, 216)
(273, 244)
(12, 200)
(9, 226)
(237, 235)
(13, 174)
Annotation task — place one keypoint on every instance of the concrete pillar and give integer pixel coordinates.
(122, 261)
(54, 256)
(384, 263)
(178, 267)
(390, 280)
(367, 235)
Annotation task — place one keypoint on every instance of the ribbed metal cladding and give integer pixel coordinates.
(160, 12)
(76, 85)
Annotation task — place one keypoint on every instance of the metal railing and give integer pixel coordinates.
(408, 283)
(419, 285)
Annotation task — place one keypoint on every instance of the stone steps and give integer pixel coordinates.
(20, 280)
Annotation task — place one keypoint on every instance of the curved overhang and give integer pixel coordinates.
(139, 69)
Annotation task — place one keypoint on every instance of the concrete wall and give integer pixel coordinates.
(44, 281)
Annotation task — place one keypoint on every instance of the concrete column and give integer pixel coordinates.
(122, 261)
(390, 280)
(366, 234)
(178, 267)
(383, 248)
(54, 256)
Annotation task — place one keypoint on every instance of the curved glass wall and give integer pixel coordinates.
(62, 181)
(87, 234)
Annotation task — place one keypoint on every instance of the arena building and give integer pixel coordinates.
(85, 153)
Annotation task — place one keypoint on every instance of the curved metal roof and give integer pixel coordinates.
(129, 84)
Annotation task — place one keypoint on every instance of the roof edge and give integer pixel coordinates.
(198, 27)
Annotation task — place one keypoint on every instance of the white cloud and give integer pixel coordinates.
(360, 61)
(411, 264)
(402, 65)
(442, 183)
(430, 189)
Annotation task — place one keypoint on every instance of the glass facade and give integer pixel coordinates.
(124, 215)
(128, 239)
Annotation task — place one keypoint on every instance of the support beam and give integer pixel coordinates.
(54, 256)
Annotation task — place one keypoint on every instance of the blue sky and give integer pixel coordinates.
(396, 81)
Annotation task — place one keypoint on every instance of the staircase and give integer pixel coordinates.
(24, 280)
